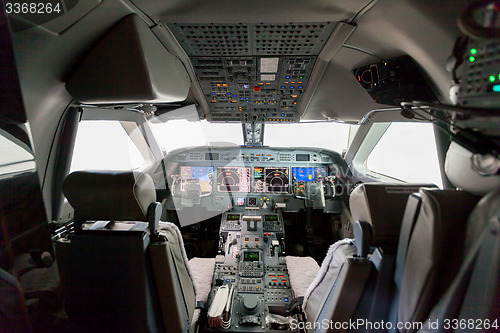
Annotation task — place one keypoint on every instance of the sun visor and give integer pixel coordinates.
(129, 65)
(472, 173)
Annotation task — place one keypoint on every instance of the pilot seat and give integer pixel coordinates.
(123, 270)
(346, 283)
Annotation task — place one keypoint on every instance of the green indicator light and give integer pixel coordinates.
(473, 51)
(492, 78)
(300, 77)
(472, 59)
(496, 88)
(499, 76)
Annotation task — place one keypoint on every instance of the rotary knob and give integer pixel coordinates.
(250, 303)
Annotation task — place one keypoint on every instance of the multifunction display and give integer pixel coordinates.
(233, 179)
(251, 256)
(203, 173)
(308, 174)
(271, 179)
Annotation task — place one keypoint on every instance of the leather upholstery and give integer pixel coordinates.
(121, 254)
(107, 282)
(317, 293)
(382, 205)
(482, 214)
(174, 282)
(474, 292)
(434, 252)
(110, 195)
(341, 301)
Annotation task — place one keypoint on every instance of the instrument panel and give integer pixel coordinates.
(270, 180)
(252, 170)
(206, 181)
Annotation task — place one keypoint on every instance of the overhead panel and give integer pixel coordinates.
(253, 72)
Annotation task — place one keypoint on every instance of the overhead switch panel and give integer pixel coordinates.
(253, 72)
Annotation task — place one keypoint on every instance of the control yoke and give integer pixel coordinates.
(312, 192)
(315, 194)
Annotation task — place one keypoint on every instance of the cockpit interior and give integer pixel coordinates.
(262, 166)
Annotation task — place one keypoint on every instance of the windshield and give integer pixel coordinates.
(175, 134)
(329, 135)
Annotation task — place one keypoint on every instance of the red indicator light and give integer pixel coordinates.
(256, 88)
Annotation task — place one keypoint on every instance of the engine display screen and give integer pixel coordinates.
(233, 179)
(271, 180)
(250, 256)
(308, 174)
(270, 218)
(202, 173)
(303, 174)
(233, 217)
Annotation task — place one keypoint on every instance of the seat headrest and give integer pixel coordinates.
(110, 195)
(461, 170)
(383, 206)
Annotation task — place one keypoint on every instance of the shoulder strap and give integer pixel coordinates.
(408, 224)
(409, 220)
(383, 295)
(478, 278)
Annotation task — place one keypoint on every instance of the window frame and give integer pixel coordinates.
(21, 145)
(371, 138)
(141, 135)
(145, 143)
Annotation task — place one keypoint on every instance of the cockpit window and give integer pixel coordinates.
(14, 158)
(329, 135)
(407, 151)
(176, 134)
(181, 133)
(104, 145)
